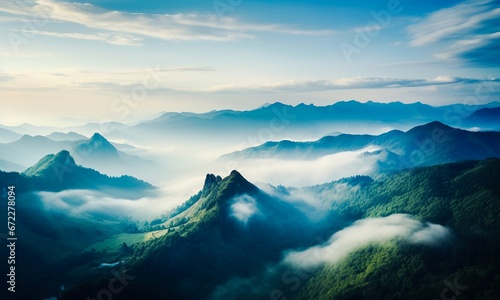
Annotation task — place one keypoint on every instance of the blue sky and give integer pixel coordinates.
(126, 60)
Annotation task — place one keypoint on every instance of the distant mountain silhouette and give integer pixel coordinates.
(8, 166)
(429, 144)
(96, 152)
(70, 136)
(7, 136)
(485, 118)
(282, 121)
(97, 149)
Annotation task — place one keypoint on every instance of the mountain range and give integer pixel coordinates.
(69, 136)
(485, 118)
(96, 152)
(429, 144)
(221, 130)
(7, 136)
(225, 128)
(340, 111)
(420, 216)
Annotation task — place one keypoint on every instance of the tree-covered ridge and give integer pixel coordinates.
(57, 172)
(429, 144)
(465, 197)
(210, 245)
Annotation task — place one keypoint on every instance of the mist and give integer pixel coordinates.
(297, 266)
(305, 172)
(365, 232)
(90, 203)
(243, 208)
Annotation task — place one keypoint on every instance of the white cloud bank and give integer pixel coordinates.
(364, 232)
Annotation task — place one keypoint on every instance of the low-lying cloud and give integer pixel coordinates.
(90, 203)
(299, 173)
(365, 232)
(243, 208)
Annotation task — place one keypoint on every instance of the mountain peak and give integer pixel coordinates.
(64, 154)
(223, 189)
(210, 182)
(217, 195)
(430, 127)
(97, 144)
(235, 181)
(27, 137)
(434, 124)
(68, 136)
(50, 163)
(56, 172)
(235, 173)
(98, 137)
(275, 105)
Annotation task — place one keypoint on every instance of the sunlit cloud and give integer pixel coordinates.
(97, 79)
(88, 203)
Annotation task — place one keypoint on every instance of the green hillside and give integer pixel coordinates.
(464, 197)
(204, 252)
(57, 172)
(209, 246)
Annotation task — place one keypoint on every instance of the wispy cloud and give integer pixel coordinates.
(364, 232)
(347, 83)
(469, 31)
(81, 78)
(119, 79)
(110, 38)
(125, 28)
